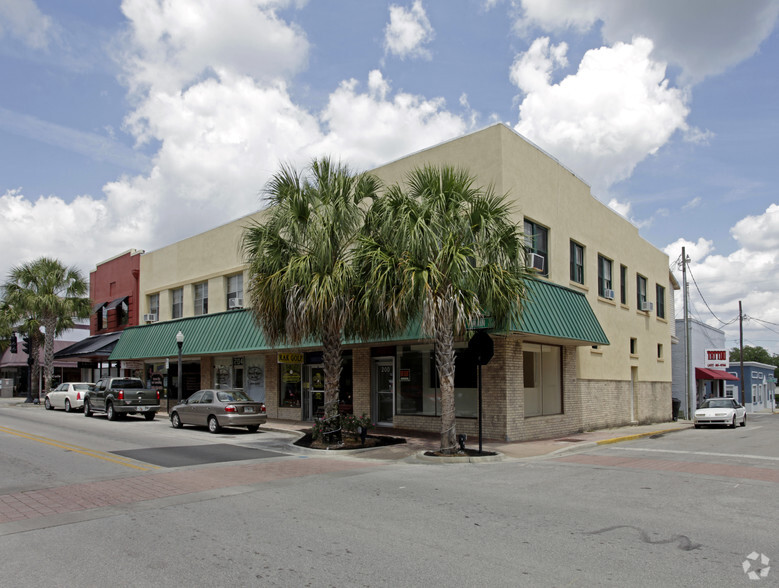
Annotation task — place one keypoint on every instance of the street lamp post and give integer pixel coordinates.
(180, 343)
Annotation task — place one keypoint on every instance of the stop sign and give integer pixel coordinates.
(482, 345)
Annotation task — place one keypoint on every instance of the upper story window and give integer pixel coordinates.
(660, 292)
(154, 305)
(201, 298)
(235, 291)
(604, 277)
(623, 284)
(177, 305)
(537, 242)
(577, 263)
(123, 313)
(640, 290)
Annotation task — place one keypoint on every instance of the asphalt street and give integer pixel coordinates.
(682, 509)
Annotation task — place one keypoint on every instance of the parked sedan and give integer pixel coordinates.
(720, 411)
(69, 396)
(219, 408)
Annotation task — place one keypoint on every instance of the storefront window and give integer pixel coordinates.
(542, 378)
(419, 390)
(291, 384)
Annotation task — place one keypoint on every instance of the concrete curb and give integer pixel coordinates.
(459, 458)
(639, 435)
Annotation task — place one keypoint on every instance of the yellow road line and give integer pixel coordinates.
(76, 449)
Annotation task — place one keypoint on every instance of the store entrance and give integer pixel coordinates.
(313, 392)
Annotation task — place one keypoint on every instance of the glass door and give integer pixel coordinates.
(314, 392)
(383, 390)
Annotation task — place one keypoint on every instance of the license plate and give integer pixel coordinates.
(143, 408)
(248, 409)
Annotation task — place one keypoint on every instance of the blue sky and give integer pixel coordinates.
(132, 124)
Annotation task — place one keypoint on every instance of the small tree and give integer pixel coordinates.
(441, 249)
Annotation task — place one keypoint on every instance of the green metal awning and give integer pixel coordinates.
(551, 311)
(561, 313)
(223, 332)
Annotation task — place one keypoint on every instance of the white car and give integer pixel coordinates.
(69, 396)
(720, 411)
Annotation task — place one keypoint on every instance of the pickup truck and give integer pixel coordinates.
(118, 397)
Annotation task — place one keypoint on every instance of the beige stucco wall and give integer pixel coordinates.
(210, 256)
(544, 191)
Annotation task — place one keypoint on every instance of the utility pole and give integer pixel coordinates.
(741, 349)
(688, 390)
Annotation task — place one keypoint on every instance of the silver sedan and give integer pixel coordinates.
(219, 408)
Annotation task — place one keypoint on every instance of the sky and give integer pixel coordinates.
(136, 123)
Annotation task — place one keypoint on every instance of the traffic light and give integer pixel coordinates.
(13, 343)
(26, 345)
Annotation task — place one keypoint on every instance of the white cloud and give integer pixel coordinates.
(717, 283)
(176, 43)
(22, 20)
(366, 129)
(532, 70)
(210, 91)
(694, 203)
(408, 31)
(759, 232)
(703, 37)
(603, 120)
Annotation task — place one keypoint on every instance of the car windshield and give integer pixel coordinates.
(718, 403)
(232, 396)
(81, 386)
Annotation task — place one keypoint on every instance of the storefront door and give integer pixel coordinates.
(383, 390)
(314, 392)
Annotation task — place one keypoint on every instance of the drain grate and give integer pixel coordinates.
(572, 440)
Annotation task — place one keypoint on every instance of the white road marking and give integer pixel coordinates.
(738, 455)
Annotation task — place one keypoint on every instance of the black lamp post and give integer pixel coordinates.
(180, 343)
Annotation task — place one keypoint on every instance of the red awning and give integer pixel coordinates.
(708, 374)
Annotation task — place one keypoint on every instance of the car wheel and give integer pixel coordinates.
(252, 428)
(733, 424)
(744, 421)
(697, 426)
(175, 421)
(67, 405)
(47, 404)
(87, 408)
(110, 412)
(149, 416)
(213, 425)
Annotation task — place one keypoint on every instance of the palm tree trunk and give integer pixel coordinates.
(48, 350)
(444, 359)
(331, 342)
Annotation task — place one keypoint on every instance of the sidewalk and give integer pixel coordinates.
(417, 443)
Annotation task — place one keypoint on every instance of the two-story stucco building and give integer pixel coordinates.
(593, 348)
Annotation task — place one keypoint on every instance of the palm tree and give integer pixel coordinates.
(444, 251)
(46, 293)
(301, 274)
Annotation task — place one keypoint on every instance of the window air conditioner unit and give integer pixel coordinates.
(608, 294)
(235, 303)
(537, 262)
(647, 306)
(150, 318)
